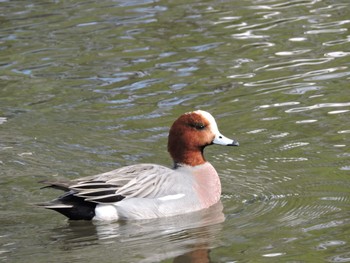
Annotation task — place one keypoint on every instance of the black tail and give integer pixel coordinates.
(69, 205)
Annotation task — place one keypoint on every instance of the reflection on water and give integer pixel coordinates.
(87, 87)
(187, 237)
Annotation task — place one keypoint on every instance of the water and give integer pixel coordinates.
(87, 87)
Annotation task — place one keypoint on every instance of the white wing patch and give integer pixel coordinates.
(171, 197)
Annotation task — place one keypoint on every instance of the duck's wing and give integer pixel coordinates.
(141, 180)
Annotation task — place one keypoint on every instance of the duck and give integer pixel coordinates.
(147, 191)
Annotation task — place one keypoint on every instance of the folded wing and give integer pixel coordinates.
(82, 195)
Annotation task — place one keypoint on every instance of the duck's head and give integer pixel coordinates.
(190, 134)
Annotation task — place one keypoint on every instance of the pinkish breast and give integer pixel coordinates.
(208, 186)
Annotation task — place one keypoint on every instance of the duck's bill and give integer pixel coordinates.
(223, 140)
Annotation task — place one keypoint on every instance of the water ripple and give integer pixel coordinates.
(295, 63)
(337, 54)
(328, 76)
(282, 104)
(293, 145)
(344, 257)
(176, 100)
(278, 80)
(338, 111)
(330, 243)
(329, 8)
(3, 120)
(248, 35)
(286, 159)
(318, 106)
(293, 52)
(201, 48)
(337, 42)
(330, 24)
(333, 223)
(268, 25)
(305, 121)
(299, 214)
(326, 31)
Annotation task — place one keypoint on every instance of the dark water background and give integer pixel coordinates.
(89, 86)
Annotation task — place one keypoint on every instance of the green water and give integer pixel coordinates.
(90, 86)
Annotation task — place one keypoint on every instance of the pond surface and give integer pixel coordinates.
(90, 86)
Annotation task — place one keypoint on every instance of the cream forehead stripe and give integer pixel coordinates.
(210, 118)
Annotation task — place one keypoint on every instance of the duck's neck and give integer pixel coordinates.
(188, 157)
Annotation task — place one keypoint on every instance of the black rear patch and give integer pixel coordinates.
(79, 203)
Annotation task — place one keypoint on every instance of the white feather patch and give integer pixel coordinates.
(171, 197)
(106, 212)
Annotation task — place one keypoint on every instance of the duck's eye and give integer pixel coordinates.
(198, 125)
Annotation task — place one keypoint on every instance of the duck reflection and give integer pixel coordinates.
(196, 256)
(185, 238)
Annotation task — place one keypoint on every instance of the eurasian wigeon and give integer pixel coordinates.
(145, 191)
